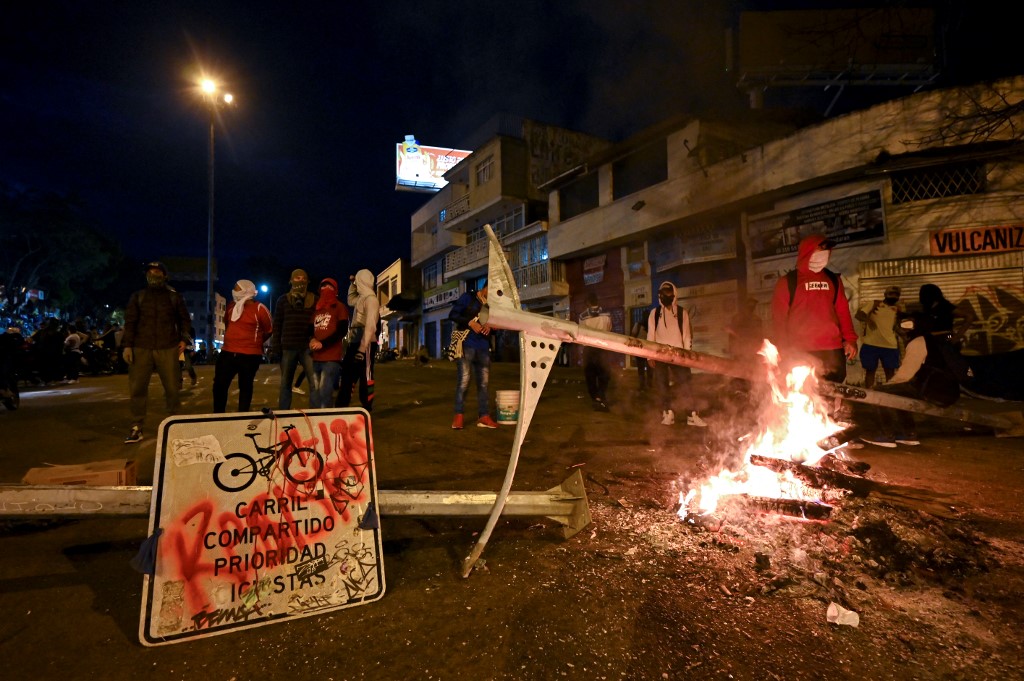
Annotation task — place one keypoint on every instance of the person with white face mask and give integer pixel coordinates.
(810, 312)
(247, 326)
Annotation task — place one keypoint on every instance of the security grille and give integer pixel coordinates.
(938, 183)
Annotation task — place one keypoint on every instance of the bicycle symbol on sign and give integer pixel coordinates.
(300, 465)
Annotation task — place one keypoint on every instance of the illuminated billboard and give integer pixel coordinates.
(421, 169)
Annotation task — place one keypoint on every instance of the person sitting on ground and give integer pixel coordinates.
(927, 373)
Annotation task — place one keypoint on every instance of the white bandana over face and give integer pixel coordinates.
(247, 292)
(818, 260)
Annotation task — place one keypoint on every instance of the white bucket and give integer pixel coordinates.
(508, 407)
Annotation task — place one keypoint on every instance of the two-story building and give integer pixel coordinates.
(498, 184)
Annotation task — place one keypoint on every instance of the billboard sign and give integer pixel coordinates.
(421, 169)
(260, 519)
(851, 219)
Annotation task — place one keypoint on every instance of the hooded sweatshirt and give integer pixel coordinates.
(330, 323)
(818, 317)
(365, 309)
(673, 322)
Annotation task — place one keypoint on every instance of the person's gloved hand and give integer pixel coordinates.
(129, 355)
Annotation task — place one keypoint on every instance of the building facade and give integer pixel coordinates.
(498, 185)
(924, 189)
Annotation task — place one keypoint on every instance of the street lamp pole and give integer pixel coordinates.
(211, 326)
(213, 101)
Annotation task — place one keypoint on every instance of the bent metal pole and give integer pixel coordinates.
(541, 336)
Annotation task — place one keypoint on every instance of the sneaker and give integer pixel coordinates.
(457, 422)
(134, 435)
(486, 421)
(881, 441)
(298, 391)
(668, 417)
(694, 419)
(909, 440)
(600, 405)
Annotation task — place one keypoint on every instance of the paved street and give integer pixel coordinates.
(71, 601)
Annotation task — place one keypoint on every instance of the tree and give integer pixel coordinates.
(47, 242)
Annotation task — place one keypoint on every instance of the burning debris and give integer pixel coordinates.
(786, 468)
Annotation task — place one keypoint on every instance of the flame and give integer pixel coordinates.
(796, 420)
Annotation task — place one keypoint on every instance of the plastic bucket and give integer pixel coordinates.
(508, 407)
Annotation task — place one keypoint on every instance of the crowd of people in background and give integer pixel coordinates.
(329, 336)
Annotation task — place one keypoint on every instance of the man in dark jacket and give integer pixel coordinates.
(156, 328)
(293, 329)
(475, 357)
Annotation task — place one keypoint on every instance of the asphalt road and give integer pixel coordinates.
(71, 603)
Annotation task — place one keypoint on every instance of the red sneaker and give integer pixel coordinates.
(486, 421)
(457, 422)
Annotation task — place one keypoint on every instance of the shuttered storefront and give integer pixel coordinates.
(993, 283)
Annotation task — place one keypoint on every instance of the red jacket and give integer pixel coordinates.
(819, 316)
(330, 324)
(247, 335)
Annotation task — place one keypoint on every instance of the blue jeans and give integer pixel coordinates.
(479, 362)
(290, 359)
(325, 375)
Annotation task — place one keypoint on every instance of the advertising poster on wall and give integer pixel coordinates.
(851, 219)
(260, 519)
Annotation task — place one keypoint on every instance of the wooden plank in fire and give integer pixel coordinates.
(817, 476)
(797, 508)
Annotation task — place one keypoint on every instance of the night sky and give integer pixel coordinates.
(99, 101)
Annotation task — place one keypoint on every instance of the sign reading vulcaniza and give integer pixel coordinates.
(972, 240)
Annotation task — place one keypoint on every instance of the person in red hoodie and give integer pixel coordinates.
(330, 324)
(247, 326)
(812, 317)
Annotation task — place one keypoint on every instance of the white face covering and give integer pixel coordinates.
(818, 260)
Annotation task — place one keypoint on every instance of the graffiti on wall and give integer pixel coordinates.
(283, 525)
(999, 324)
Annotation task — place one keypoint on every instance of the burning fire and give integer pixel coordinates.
(795, 421)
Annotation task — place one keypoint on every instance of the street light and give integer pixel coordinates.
(214, 102)
(270, 301)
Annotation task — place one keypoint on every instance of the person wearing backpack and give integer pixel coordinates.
(810, 312)
(157, 326)
(669, 324)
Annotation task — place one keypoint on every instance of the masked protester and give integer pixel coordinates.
(669, 324)
(810, 312)
(247, 325)
(880, 343)
(330, 324)
(358, 364)
(293, 329)
(595, 360)
(157, 327)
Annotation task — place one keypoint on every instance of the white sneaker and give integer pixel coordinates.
(668, 417)
(694, 419)
(298, 391)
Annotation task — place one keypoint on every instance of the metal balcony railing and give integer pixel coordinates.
(539, 273)
(466, 258)
(459, 206)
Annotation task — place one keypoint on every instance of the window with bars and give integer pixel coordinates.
(938, 182)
